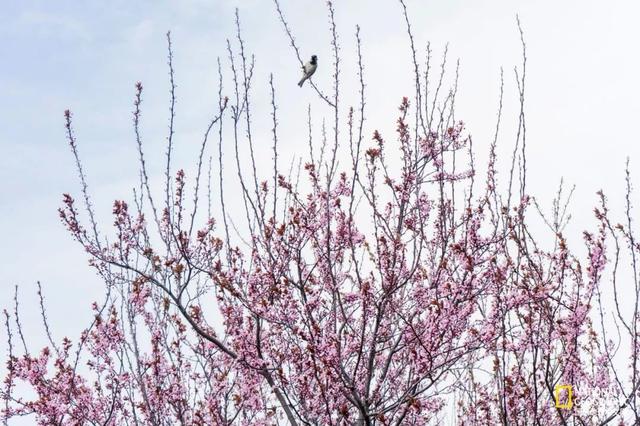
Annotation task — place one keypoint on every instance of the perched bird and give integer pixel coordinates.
(308, 69)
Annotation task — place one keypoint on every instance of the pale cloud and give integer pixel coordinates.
(140, 33)
(47, 24)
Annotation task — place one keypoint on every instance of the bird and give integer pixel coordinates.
(308, 69)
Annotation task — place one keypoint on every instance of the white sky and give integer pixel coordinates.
(582, 103)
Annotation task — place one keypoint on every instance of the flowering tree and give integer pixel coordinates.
(387, 293)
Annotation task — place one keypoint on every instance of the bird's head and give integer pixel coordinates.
(314, 59)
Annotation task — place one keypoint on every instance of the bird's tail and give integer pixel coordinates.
(301, 81)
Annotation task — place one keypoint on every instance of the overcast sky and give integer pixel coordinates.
(582, 102)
